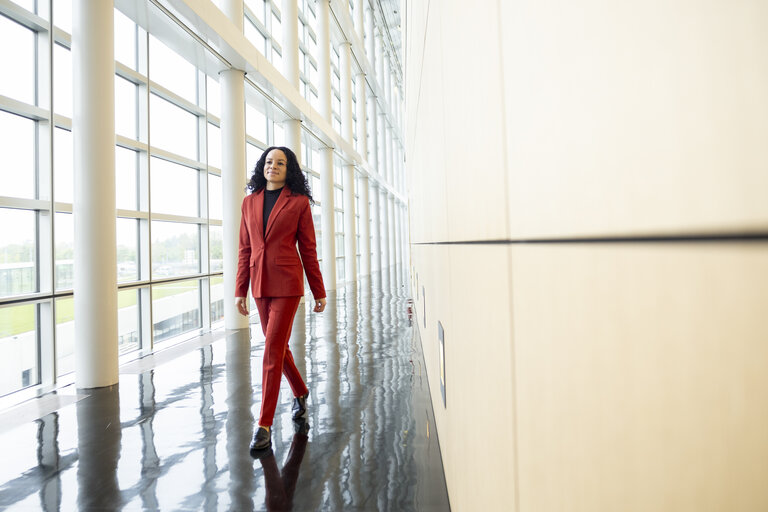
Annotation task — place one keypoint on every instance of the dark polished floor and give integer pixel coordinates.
(174, 434)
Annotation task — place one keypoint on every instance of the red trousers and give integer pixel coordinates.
(276, 314)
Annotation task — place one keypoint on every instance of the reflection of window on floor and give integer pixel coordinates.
(177, 324)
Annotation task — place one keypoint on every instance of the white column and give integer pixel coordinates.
(380, 64)
(390, 153)
(373, 117)
(385, 242)
(387, 80)
(376, 226)
(324, 59)
(95, 214)
(289, 10)
(350, 238)
(365, 219)
(359, 19)
(345, 85)
(370, 41)
(362, 131)
(327, 213)
(232, 88)
(232, 92)
(386, 163)
(392, 241)
(327, 210)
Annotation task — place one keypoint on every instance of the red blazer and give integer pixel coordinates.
(270, 260)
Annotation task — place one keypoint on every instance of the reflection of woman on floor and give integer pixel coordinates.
(281, 485)
(275, 217)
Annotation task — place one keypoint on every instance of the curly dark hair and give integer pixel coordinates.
(295, 179)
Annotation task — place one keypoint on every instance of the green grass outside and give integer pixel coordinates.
(20, 319)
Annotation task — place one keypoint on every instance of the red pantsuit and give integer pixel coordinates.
(268, 259)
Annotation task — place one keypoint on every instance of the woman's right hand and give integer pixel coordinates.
(242, 305)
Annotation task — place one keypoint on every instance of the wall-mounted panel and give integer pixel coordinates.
(640, 376)
(640, 117)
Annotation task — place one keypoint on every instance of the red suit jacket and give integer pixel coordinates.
(269, 260)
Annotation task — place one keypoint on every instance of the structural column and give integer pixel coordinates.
(233, 164)
(373, 118)
(365, 223)
(345, 86)
(370, 41)
(289, 11)
(391, 239)
(94, 207)
(362, 131)
(350, 238)
(359, 19)
(328, 229)
(376, 223)
(385, 221)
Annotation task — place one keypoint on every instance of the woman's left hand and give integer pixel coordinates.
(319, 305)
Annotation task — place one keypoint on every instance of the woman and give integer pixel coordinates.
(275, 217)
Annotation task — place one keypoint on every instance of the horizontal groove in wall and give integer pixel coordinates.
(712, 237)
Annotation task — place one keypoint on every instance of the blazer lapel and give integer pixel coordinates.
(258, 205)
(282, 200)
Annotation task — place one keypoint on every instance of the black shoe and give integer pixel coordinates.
(299, 406)
(262, 439)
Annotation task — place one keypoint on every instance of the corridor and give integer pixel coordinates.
(174, 434)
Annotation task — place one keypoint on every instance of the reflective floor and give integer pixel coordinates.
(174, 434)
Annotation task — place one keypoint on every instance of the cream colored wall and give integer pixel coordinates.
(592, 376)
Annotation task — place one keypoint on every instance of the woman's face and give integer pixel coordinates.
(275, 169)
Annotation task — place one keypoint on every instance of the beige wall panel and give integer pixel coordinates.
(641, 377)
(475, 176)
(455, 151)
(635, 117)
(425, 159)
(467, 290)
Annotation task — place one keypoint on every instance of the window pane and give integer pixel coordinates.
(171, 70)
(214, 197)
(62, 14)
(276, 29)
(125, 178)
(277, 59)
(18, 344)
(214, 146)
(62, 80)
(125, 40)
(252, 155)
(257, 6)
(217, 299)
(175, 249)
(64, 230)
(255, 36)
(127, 320)
(255, 123)
(175, 308)
(214, 97)
(65, 336)
(63, 180)
(174, 188)
(216, 237)
(17, 145)
(172, 128)
(19, 84)
(127, 250)
(17, 252)
(125, 107)
(279, 135)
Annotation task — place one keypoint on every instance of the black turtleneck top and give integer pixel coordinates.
(270, 198)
